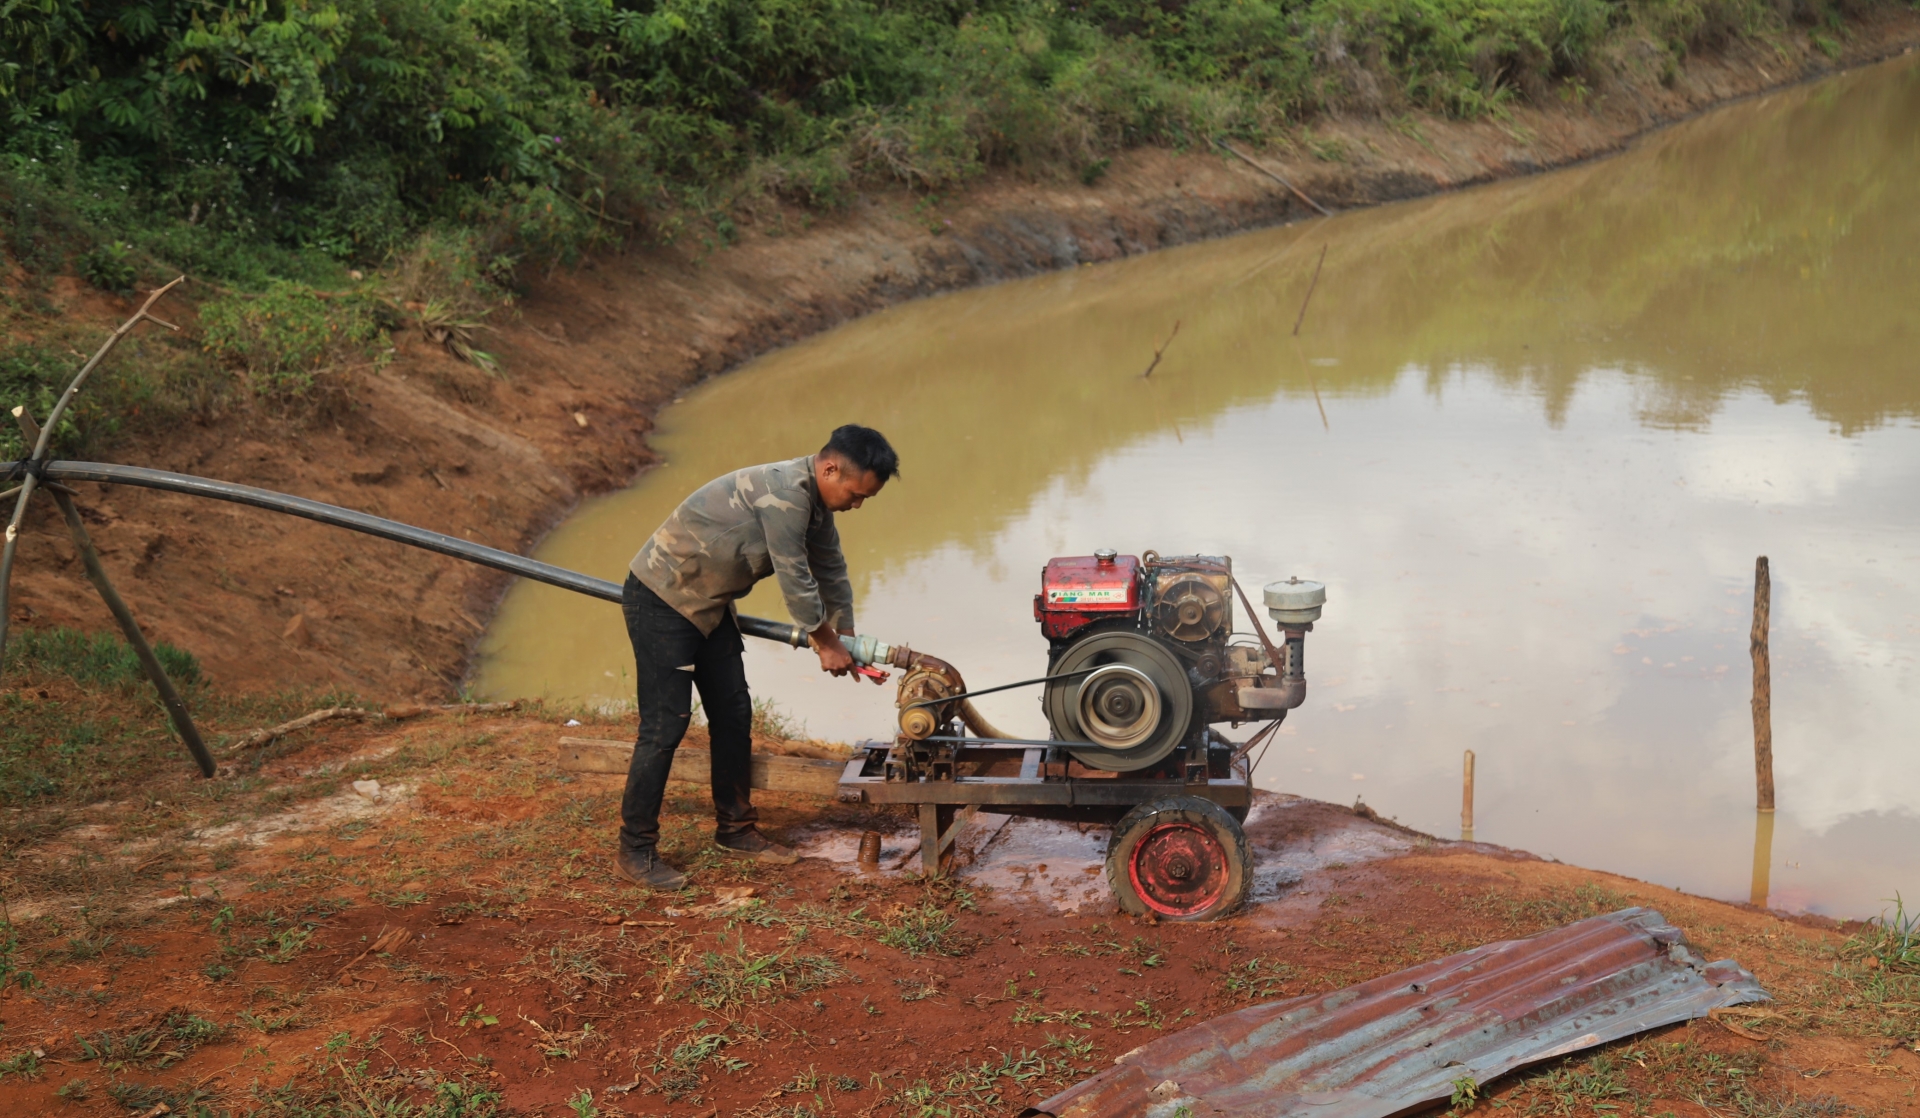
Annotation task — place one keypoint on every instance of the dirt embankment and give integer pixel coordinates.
(592, 354)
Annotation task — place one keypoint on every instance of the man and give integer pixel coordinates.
(732, 532)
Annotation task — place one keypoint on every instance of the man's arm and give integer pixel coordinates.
(829, 565)
(784, 518)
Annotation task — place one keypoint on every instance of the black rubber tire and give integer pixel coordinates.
(1195, 824)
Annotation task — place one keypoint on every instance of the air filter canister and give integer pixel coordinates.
(1296, 601)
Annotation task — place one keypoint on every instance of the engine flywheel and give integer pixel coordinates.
(1135, 706)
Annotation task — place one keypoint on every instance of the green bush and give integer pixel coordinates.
(1464, 57)
(34, 223)
(290, 335)
(266, 140)
(108, 266)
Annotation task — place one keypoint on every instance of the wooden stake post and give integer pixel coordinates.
(1466, 799)
(1762, 684)
(1762, 858)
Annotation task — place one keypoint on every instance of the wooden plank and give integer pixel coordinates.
(770, 771)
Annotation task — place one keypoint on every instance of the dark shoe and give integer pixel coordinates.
(754, 845)
(644, 867)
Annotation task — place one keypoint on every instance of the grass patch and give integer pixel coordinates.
(79, 723)
(770, 721)
(570, 966)
(1577, 1086)
(79, 719)
(26, 1065)
(1101, 941)
(155, 1046)
(1034, 1013)
(335, 1095)
(930, 926)
(1258, 979)
(1628, 1078)
(989, 1087)
(152, 382)
(272, 935)
(734, 980)
(12, 973)
(1891, 940)
(93, 659)
(923, 929)
(679, 1070)
(1558, 907)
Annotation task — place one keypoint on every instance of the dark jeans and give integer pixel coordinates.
(671, 658)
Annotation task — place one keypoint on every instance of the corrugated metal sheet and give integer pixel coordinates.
(1403, 1040)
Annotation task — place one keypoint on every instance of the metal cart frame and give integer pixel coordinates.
(1019, 777)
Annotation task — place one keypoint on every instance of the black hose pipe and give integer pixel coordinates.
(110, 474)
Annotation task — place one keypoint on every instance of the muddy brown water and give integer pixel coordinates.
(1532, 437)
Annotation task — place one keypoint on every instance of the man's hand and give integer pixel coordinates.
(834, 657)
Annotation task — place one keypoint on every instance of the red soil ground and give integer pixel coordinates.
(519, 966)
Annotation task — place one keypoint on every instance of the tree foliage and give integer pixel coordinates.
(343, 126)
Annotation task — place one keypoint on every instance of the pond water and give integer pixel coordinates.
(1532, 437)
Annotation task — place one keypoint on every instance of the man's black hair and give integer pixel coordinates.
(864, 449)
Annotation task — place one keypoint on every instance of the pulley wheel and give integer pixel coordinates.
(1181, 858)
(1119, 706)
(1147, 660)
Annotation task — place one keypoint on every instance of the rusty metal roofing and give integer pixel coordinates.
(1404, 1039)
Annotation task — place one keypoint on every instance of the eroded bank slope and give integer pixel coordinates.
(590, 356)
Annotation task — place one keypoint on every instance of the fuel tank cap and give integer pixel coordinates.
(1297, 601)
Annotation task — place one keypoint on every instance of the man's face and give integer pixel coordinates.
(842, 487)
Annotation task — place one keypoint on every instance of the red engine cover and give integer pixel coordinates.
(1080, 589)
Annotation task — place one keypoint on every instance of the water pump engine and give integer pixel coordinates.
(1143, 661)
(1143, 657)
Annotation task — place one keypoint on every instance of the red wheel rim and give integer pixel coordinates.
(1178, 869)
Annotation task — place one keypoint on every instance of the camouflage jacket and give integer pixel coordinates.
(738, 529)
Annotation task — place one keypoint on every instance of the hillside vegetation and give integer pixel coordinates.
(273, 147)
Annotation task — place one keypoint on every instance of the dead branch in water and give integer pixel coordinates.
(1310, 287)
(1276, 177)
(1155, 363)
